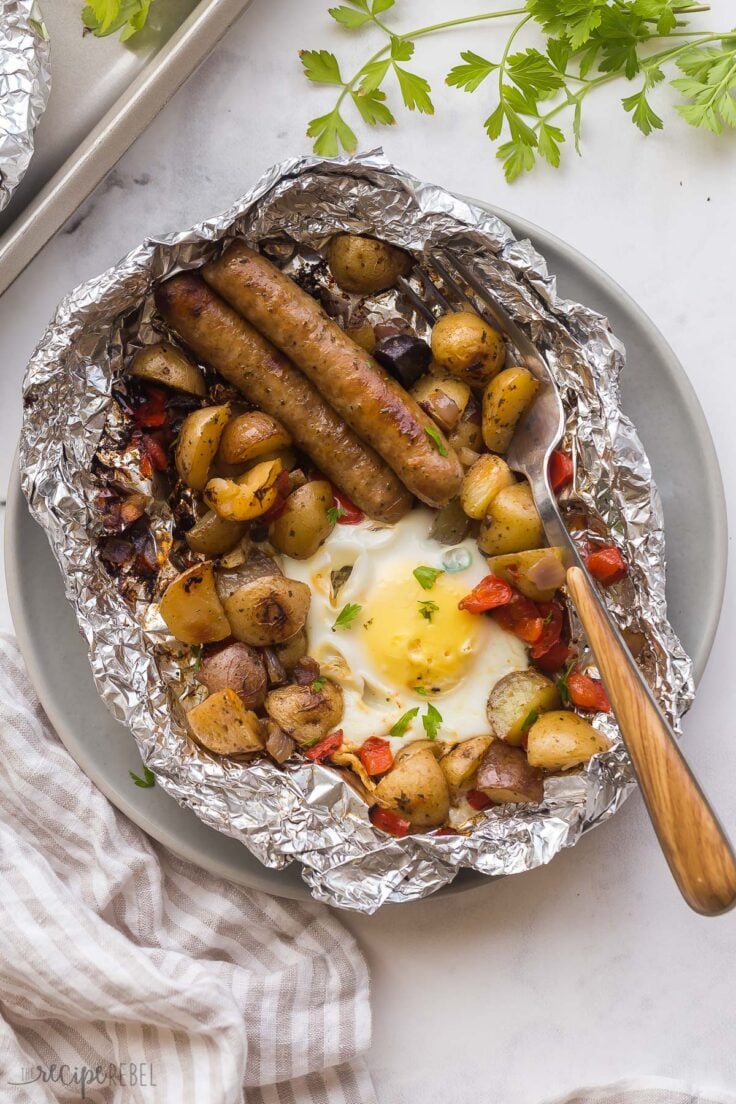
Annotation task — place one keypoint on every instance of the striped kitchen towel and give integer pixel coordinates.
(646, 1090)
(129, 975)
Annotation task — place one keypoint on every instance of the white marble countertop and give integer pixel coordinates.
(591, 969)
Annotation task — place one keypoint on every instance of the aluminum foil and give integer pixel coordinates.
(308, 812)
(25, 82)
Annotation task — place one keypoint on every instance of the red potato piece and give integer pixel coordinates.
(231, 346)
(374, 405)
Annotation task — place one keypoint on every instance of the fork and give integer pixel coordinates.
(695, 846)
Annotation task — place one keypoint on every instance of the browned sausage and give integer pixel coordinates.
(371, 402)
(234, 349)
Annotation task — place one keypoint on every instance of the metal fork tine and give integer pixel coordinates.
(450, 282)
(416, 300)
(432, 290)
(497, 312)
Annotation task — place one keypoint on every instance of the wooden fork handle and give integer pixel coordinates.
(695, 846)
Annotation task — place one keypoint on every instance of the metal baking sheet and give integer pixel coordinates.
(105, 94)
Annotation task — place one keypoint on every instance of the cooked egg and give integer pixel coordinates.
(395, 647)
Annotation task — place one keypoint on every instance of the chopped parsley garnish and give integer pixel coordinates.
(421, 690)
(436, 440)
(346, 616)
(399, 729)
(148, 780)
(432, 720)
(317, 684)
(428, 609)
(196, 651)
(334, 514)
(427, 576)
(561, 682)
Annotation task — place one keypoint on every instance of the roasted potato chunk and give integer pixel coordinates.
(198, 441)
(223, 725)
(213, 535)
(293, 650)
(191, 609)
(268, 610)
(365, 265)
(237, 667)
(536, 574)
(416, 787)
(460, 764)
(464, 345)
(512, 523)
(504, 401)
(304, 713)
(506, 776)
(304, 523)
(444, 400)
(561, 740)
(250, 436)
(468, 435)
(164, 363)
(248, 497)
(482, 482)
(515, 702)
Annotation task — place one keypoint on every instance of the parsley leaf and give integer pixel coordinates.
(472, 74)
(346, 616)
(427, 576)
(436, 440)
(320, 66)
(421, 690)
(317, 684)
(334, 513)
(373, 107)
(148, 780)
(428, 609)
(350, 17)
(415, 93)
(431, 722)
(399, 729)
(105, 17)
(329, 131)
(196, 652)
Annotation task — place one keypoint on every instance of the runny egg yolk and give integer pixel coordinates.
(416, 637)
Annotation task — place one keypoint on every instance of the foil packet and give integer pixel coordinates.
(306, 812)
(25, 83)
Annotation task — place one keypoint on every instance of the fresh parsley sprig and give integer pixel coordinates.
(346, 616)
(427, 576)
(587, 44)
(105, 17)
(147, 781)
(427, 610)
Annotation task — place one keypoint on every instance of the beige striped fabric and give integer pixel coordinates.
(128, 975)
(646, 1090)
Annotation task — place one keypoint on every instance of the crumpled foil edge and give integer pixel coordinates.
(304, 811)
(25, 71)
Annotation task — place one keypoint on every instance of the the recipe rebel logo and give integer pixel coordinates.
(140, 1075)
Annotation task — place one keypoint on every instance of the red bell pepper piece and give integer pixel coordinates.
(555, 658)
(554, 620)
(326, 746)
(478, 800)
(348, 512)
(521, 617)
(490, 593)
(447, 831)
(386, 820)
(151, 413)
(607, 565)
(376, 755)
(587, 693)
(560, 470)
(155, 452)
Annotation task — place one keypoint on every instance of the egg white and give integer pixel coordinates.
(374, 699)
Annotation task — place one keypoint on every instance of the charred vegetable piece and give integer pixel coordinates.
(376, 756)
(607, 565)
(560, 470)
(325, 747)
(405, 356)
(223, 725)
(278, 745)
(536, 573)
(386, 820)
(191, 609)
(487, 595)
(587, 693)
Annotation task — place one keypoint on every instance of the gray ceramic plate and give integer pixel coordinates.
(664, 407)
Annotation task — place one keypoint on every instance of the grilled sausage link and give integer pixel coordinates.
(373, 404)
(246, 359)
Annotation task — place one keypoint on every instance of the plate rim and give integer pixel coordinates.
(713, 478)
